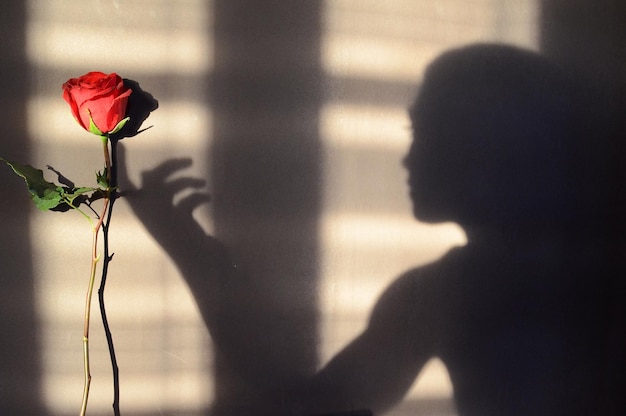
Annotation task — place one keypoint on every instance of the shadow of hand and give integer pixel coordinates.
(154, 204)
(202, 260)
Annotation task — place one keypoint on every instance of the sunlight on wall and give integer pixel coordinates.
(394, 40)
(151, 37)
(163, 347)
(374, 54)
(365, 126)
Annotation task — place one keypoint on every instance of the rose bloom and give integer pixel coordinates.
(98, 96)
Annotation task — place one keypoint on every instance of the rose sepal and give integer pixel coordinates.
(101, 178)
(119, 125)
(93, 128)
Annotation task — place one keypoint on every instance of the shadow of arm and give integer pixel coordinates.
(202, 260)
(377, 369)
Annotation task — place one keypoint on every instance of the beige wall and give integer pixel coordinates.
(295, 114)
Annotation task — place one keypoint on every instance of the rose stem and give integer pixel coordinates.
(112, 181)
(94, 261)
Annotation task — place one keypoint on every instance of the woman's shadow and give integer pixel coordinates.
(524, 315)
(508, 146)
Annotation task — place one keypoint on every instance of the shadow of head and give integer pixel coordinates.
(499, 137)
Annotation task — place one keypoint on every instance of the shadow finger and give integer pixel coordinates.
(157, 176)
(180, 184)
(191, 202)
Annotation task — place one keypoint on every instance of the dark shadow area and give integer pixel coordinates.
(589, 39)
(19, 346)
(257, 287)
(265, 167)
(523, 315)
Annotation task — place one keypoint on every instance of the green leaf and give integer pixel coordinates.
(46, 195)
(50, 200)
(82, 190)
(76, 192)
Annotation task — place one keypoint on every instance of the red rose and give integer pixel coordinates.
(98, 101)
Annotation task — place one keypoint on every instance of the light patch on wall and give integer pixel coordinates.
(365, 126)
(395, 243)
(396, 40)
(155, 37)
(347, 55)
(183, 52)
